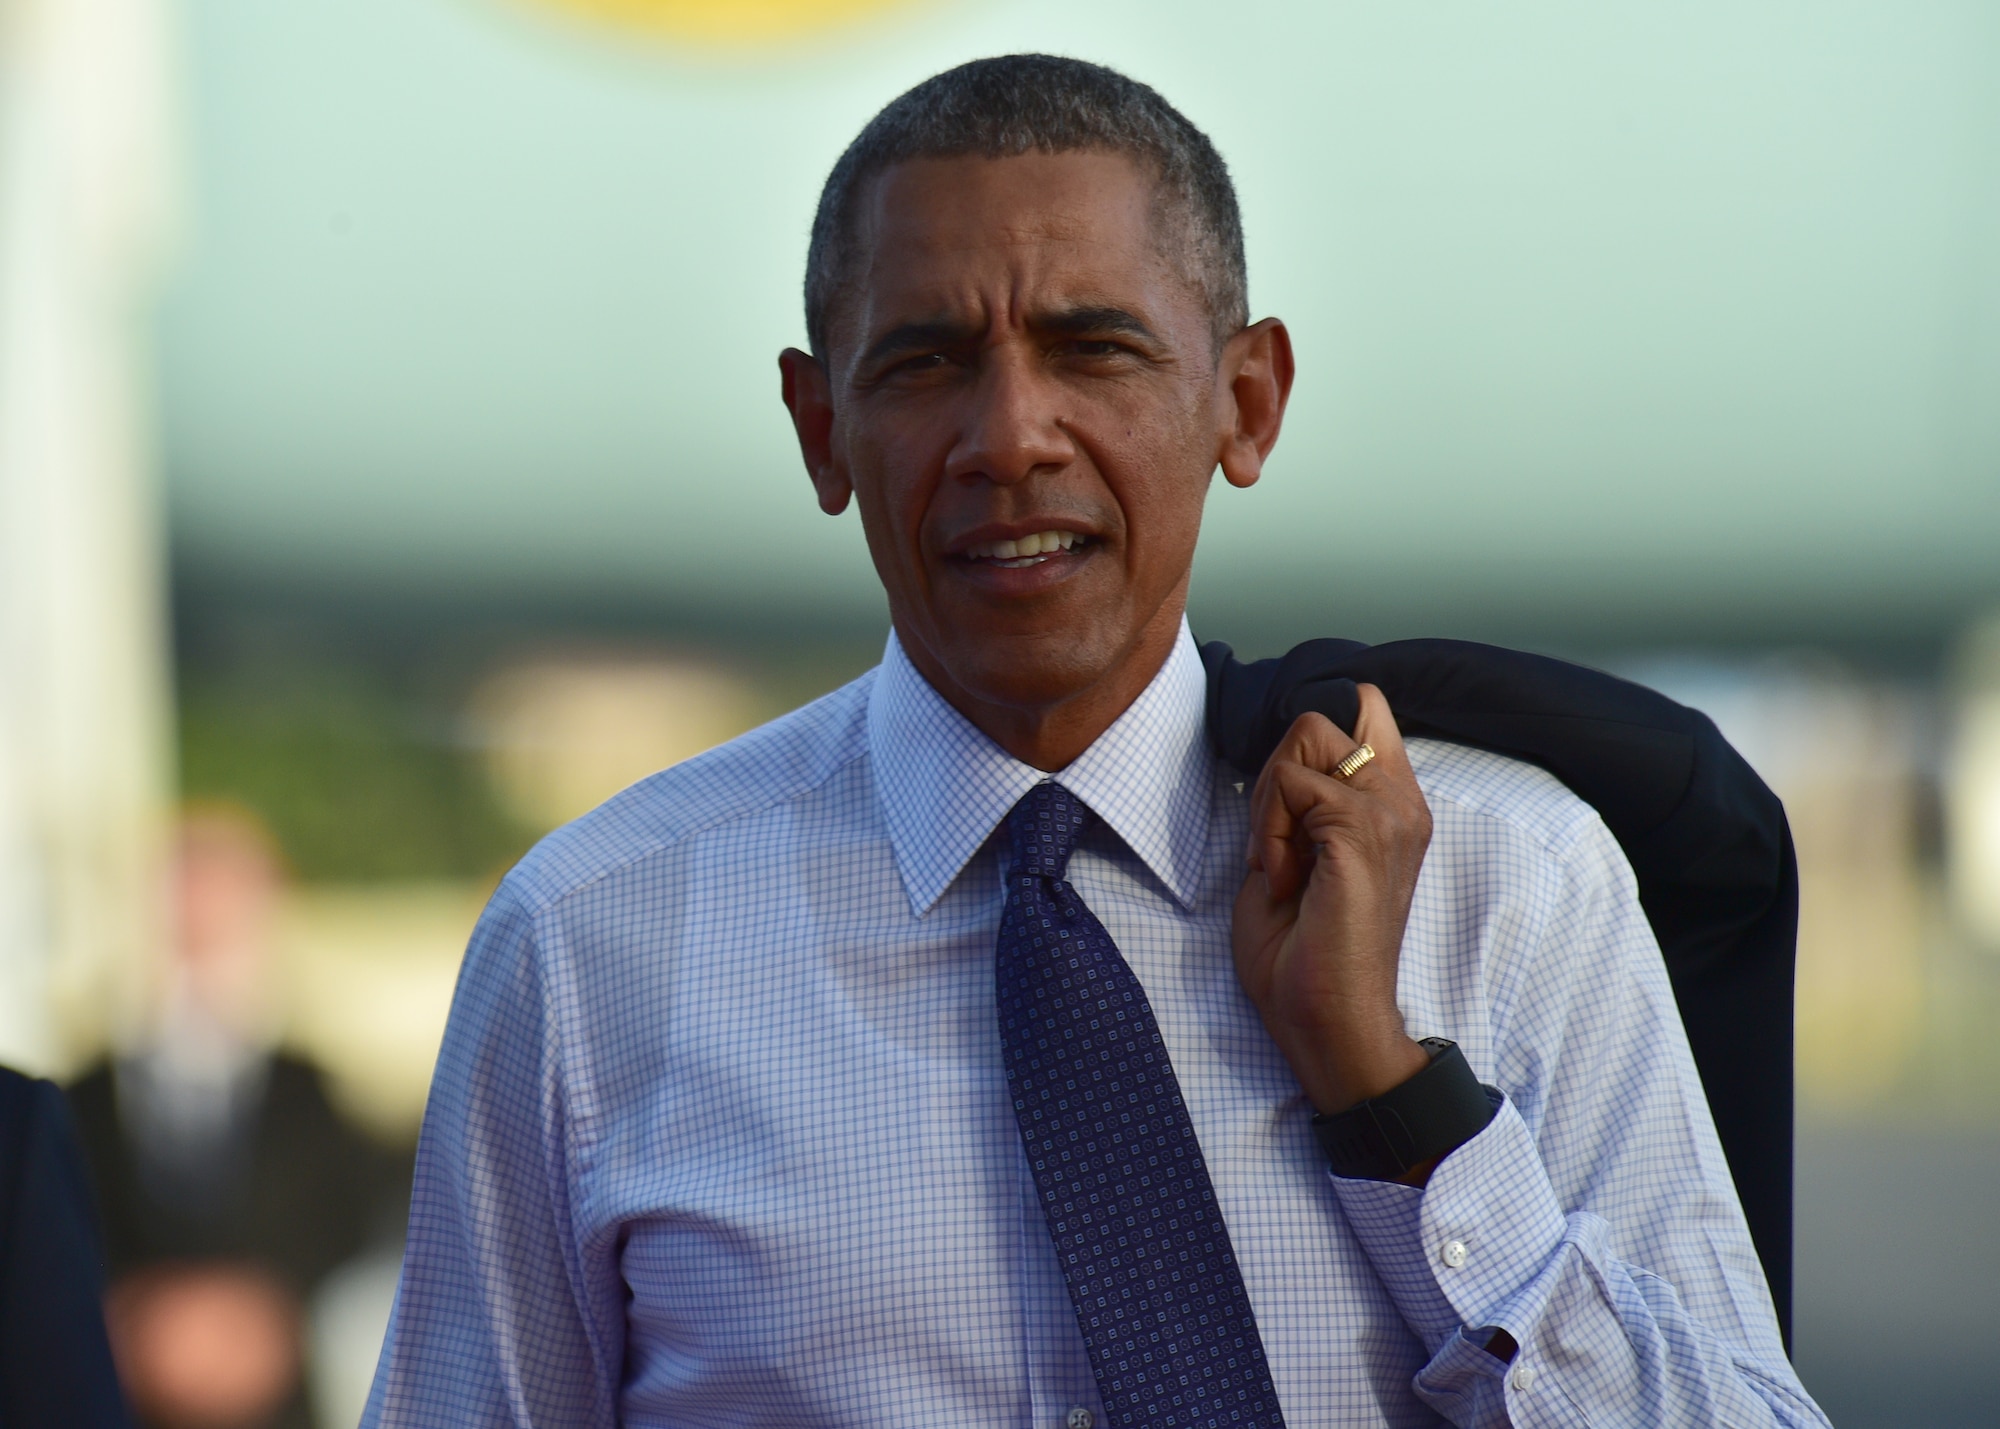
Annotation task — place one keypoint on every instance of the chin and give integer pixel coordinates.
(1030, 668)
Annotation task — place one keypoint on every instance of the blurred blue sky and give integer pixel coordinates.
(1658, 317)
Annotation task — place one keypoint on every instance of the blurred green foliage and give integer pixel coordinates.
(357, 780)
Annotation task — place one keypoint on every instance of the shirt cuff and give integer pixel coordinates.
(1479, 1247)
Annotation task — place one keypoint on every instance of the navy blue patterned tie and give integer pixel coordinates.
(1144, 1252)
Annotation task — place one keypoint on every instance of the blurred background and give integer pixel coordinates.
(391, 467)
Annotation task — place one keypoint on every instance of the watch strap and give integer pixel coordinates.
(1436, 1111)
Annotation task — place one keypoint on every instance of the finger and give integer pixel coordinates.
(1272, 830)
(1390, 774)
(1319, 743)
(1316, 742)
(1313, 742)
(1298, 807)
(1269, 818)
(1377, 728)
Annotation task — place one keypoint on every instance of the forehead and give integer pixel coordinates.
(948, 233)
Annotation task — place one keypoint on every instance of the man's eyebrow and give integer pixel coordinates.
(918, 337)
(1104, 321)
(1098, 321)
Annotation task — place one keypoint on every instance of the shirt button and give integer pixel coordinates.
(1522, 1377)
(1080, 1418)
(1452, 1253)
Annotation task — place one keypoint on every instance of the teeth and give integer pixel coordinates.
(1039, 543)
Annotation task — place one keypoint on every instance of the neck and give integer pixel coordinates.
(1050, 734)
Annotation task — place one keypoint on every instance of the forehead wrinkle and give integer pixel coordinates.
(874, 221)
(1042, 223)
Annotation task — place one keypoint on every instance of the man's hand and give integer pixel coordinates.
(1318, 928)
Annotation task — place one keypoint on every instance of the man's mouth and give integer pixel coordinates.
(1029, 550)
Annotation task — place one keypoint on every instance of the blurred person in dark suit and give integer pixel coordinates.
(228, 1185)
(55, 1363)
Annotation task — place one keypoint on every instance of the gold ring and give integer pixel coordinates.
(1345, 769)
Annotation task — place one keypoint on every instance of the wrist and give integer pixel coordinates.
(1339, 1069)
(1403, 1134)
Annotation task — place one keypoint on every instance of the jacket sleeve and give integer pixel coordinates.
(1593, 1219)
(498, 1320)
(55, 1361)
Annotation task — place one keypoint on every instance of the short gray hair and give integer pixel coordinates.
(1009, 105)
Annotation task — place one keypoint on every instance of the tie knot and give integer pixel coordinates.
(1043, 829)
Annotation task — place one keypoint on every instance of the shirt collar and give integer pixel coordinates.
(945, 786)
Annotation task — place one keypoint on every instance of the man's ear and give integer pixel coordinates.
(1253, 382)
(809, 398)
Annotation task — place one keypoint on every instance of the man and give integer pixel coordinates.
(229, 1189)
(949, 1052)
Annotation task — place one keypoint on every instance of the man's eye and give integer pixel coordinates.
(1096, 347)
(923, 362)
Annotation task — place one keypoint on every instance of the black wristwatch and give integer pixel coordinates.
(1439, 1109)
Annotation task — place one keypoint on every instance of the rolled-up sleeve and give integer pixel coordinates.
(495, 1321)
(1593, 1219)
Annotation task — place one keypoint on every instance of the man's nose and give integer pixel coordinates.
(1012, 426)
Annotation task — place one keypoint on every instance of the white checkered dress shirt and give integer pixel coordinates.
(720, 1133)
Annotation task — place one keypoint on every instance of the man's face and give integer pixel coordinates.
(1025, 402)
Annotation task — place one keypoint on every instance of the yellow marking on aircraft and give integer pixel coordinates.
(732, 22)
